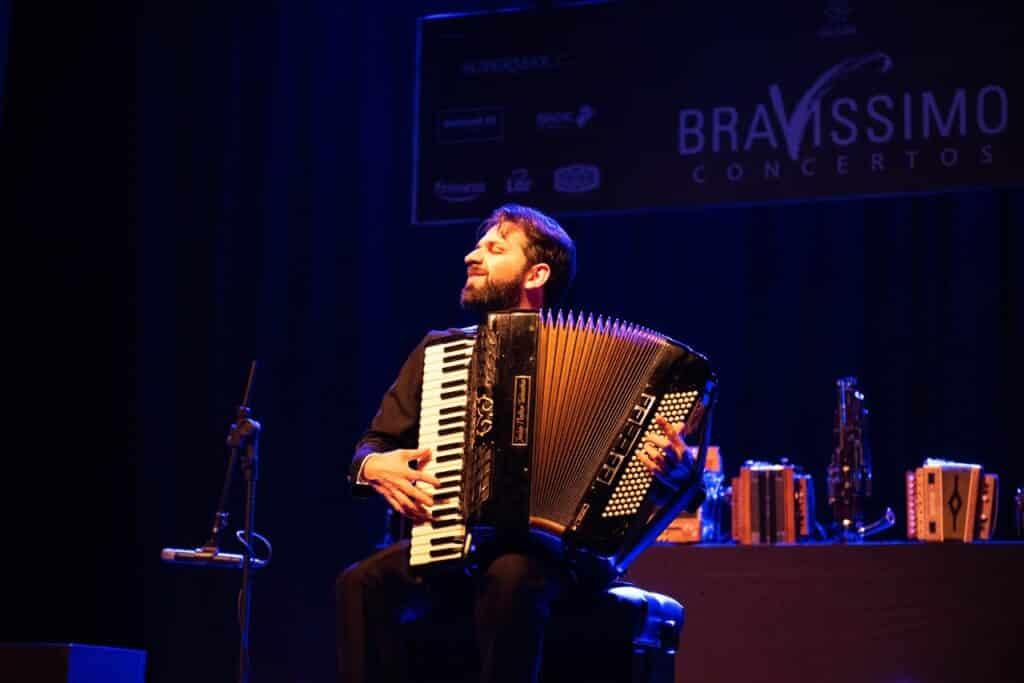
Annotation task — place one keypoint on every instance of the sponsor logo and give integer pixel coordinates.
(486, 124)
(552, 120)
(577, 178)
(457, 193)
(517, 64)
(518, 181)
(771, 138)
(837, 20)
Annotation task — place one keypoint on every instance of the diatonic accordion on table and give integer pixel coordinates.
(535, 423)
(772, 503)
(951, 501)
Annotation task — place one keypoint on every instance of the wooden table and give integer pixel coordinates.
(873, 612)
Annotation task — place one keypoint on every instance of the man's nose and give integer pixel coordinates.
(472, 257)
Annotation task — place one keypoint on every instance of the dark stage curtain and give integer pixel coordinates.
(267, 217)
(5, 20)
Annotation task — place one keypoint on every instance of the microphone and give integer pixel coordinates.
(201, 557)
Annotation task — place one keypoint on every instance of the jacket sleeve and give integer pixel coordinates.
(395, 424)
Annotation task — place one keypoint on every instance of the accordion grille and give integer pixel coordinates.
(589, 371)
(632, 488)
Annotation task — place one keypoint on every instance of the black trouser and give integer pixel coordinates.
(509, 596)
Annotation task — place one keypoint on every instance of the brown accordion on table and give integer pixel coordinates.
(771, 504)
(535, 423)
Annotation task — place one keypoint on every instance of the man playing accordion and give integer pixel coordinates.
(523, 259)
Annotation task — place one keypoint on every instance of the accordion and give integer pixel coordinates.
(771, 504)
(951, 501)
(534, 424)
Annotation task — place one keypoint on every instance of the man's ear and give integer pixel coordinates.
(537, 276)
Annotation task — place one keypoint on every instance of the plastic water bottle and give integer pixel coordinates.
(711, 509)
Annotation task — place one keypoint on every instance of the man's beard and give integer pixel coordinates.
(492, 296)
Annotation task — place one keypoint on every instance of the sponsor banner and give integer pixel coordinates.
(620, 106)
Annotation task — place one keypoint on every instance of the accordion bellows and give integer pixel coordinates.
(584, 363)
(554, 409)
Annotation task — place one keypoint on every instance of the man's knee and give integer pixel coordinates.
(371, 572)
(349, 581)
(520, 580)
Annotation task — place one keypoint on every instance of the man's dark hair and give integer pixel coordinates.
(546, 242)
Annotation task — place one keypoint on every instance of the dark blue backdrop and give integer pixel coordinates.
(265, 215)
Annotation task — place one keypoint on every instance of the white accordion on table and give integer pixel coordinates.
(951, 501)
(535, 423)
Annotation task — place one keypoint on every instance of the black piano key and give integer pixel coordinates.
(445, 495)
(451, 420)
(441, 459)
(442, 523)
(451, 430)
(447, 473)
(453, 383)
(452, 409)
(447, 539)
(451, 445)
(454, 552)
(452, 358)
(452, 394)
(454, 368)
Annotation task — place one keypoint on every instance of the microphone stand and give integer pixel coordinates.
(245, 433)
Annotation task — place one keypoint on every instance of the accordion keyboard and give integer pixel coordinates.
(443, 415)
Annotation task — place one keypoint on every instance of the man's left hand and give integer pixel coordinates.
(666, 455)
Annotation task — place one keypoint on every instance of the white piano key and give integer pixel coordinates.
(445, 490)
(441, 456)
(433, 405)
(438, 461)
(422, 533)
(454, 370)
(434, 437)
(454, 357)
(436, 549)
(434, 468)
(436, 378)
(437, 552)
(442, 545)
(435, 423)
(436, 384)
(458, 341)
(427, 560)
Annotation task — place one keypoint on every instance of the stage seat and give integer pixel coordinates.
(625, 635)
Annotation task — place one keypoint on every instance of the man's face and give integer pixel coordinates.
(495, 270)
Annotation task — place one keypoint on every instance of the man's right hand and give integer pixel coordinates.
(391, 475)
